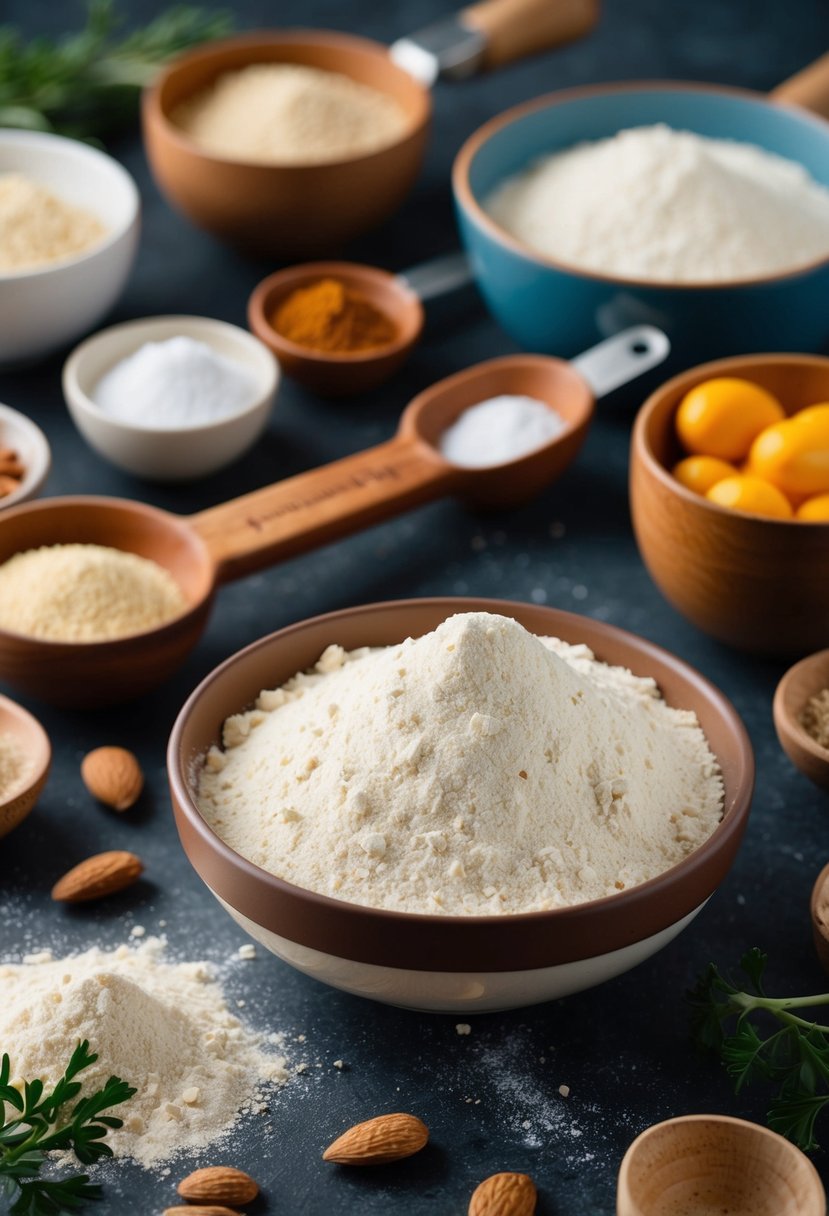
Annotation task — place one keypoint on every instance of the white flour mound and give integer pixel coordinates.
(165, 1028)
(478, 769)
(668, 206)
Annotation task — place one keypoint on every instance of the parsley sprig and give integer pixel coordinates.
(738, 1020)
(39, 1121)
(85, 84)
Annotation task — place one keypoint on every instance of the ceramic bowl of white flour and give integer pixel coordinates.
(171, 398)
(52, 289)
(704, 212)
(449, 937)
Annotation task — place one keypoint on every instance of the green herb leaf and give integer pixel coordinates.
(86, 84)
(760, 1039)
(38, 1122)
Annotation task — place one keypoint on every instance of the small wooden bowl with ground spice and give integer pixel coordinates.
(339, 328)
(801, 716)
(25, 756)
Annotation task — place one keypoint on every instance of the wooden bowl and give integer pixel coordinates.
(287, 211)
(797, 686)
(339, 374)
(700, 1164)
(462, 964)
(759, 584)
(16, 721)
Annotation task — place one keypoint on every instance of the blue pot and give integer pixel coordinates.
(551, 307)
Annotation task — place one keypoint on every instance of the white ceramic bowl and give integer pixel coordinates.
(179, 454)
(46, 308)
(19, 432)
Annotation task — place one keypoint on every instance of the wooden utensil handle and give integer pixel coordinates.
(311, 509)
(515, 28)
(809, 88)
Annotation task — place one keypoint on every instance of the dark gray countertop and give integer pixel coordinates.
(623, 1049)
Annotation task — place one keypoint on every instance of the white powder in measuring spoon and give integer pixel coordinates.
(174, 384)
(499, 430)
(667, 206)
(476, 770)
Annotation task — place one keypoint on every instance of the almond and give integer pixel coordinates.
(100, 875)
(218, 1184)
(12, 467)
(377, 1141)
(8, 485)
(504, 1195)
(201, 1209)
(113, 776)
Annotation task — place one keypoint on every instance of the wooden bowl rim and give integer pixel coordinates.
(732, 365)
(10, 710)
(468, 201)
(785, 716)
(744, 1127)
(256, 40)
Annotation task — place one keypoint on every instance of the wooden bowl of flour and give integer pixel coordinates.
(289, 210)
(459, 964)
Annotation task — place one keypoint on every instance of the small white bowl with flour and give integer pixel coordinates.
(64, 288)
(171, 398)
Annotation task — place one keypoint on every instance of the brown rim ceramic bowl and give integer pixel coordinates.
(338, 373)
(34, 742)
(756, 583)
(287, 211)
(453, 963)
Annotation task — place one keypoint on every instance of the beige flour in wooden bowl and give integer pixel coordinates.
(479, 769)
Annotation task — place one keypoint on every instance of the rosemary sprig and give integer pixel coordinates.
(39, 1121)
(760, 1038)
(86, 84)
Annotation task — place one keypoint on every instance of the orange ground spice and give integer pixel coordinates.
(328, 316)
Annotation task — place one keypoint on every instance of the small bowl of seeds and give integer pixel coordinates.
(801, 716)
(25, 458)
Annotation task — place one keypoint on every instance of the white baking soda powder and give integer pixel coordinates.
(174, 384)
(498, 430)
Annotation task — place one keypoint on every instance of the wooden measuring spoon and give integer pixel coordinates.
(400, 297)
(249, 533)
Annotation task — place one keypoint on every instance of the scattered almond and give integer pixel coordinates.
(113, 776)
(218, 1184)
(377, 1141)
(100, 875)
(12, 472)
(201, 1209)
(504, 1195)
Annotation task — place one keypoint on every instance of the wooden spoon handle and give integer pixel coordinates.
(809, 88)
(515, 28)
(311, 509)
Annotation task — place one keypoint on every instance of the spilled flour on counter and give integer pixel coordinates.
(163, 1027)
(476, 770)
